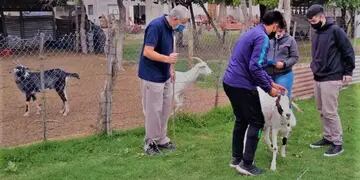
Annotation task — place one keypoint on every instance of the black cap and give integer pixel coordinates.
(314, 10)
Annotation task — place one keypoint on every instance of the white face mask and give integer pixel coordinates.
(279, 35)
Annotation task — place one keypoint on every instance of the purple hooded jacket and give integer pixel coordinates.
(247, 61)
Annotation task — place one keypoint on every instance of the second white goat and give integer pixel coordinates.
(184, 79)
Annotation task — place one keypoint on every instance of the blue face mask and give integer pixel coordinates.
(179, 28)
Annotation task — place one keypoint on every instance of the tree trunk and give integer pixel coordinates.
(351, 23)
(222, 12)
(281, 4)
(120, 33)
(77, 35)
(83, 36)
(82, 29)
(262, 11)
(343, 19)
(287, 13)
(244, 10)
(195, 34)
(250, 10)
(210, 20)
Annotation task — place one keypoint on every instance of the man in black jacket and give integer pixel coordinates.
(333, 61)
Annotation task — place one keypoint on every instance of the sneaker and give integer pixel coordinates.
(321, 143)
(152, 149)
(334, 150)
(251, 170)
(168, 146)
(235, 161)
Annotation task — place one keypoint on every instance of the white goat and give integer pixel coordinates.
(279, 119)
(184, 79)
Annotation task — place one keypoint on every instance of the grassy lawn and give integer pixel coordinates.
(204, 145)
(210, 48)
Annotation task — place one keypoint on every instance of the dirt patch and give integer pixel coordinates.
(84, 101)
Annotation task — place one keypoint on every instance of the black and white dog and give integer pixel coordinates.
(30, 84)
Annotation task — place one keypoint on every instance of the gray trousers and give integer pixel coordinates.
(157, 103)
(326, 97)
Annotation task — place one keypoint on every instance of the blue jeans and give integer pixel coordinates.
(285, 80)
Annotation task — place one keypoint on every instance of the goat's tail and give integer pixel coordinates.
(74, 75)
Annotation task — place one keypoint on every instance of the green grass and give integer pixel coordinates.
(204, 146)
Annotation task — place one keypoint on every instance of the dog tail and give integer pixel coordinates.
(74, 75)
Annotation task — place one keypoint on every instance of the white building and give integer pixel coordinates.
(136, 10)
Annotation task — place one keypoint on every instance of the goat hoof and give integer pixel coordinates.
(273, 168)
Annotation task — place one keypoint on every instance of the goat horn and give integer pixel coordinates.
(198, 59)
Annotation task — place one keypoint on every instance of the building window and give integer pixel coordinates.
(91, 9)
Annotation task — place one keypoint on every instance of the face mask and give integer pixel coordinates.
(279, 35)
(317, 26)
(179, 28)
(272, 35)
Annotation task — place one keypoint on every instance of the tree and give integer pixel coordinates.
(120, 32)
(350, 6)
(83, 37)
(265, 4)
(268, 3)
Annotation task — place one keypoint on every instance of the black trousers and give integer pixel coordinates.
(247, 109)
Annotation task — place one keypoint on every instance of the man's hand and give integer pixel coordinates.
(279, 65)
(280, 89)
(172, 73)
(347, 79)
(172, 58)
(274, 92)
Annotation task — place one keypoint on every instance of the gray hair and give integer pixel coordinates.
(180, 12)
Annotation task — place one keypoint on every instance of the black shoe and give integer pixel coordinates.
(235, 161)
(249, 170)
(152, 149)
(321, 143)
(334, 150)
(167, 146)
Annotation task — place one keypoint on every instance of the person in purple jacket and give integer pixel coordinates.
(244, 73)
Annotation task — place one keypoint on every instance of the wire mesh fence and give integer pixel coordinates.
(50, 88)
(69, 77)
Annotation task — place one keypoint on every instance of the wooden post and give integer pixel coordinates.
(109, 85)
(77, 37)
(43, 98)
(294, 30)
(22, 26)
(3, 22)
(190, 46)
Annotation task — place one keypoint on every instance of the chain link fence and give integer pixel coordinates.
(79, 91)
(50, 87)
